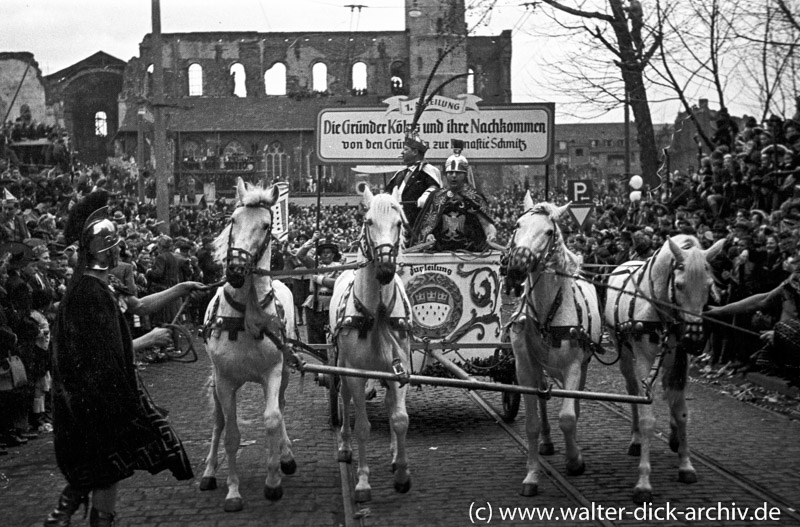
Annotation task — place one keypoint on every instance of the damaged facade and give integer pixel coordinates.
(246, 103)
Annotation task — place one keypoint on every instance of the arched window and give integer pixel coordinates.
(190, 150)
(195, 80)
(359, 78)
(147, 83)
(238, 87)
(276, 162)
(275, 80)
(398, 78)
(100, 124)
(319, 77)
(470, 80)
(234, 156)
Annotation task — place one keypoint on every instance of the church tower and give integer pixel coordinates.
(432, 27)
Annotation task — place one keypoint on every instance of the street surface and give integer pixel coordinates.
(460, 460)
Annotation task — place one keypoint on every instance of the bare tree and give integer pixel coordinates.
(630, 45)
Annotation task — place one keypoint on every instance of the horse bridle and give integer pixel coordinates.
(385, 252)
(241, 263)
(523, 257)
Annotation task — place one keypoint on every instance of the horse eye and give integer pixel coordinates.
(549, 232)
(679, 286)
(368, 222)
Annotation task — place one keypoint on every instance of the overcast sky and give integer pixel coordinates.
(62, 32)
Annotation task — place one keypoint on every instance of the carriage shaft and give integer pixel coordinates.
(473, 384)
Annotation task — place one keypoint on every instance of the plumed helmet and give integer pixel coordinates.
(99, 232)
(456, 163)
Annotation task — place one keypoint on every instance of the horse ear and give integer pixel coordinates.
(276, 193)
(676, 251)
(240, 189)
(714, 250)
(560, 211)
(527, 203)
(366, 194)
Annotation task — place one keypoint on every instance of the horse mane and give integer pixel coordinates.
(220, 244)
(564, 259)
(383, 205)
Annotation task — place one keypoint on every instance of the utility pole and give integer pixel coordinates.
(140, 164)
(160, 139)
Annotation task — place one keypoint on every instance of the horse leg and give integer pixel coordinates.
(568, 416)
(288, 464)
(626, 366)
(209, 479)
(226, 394)
(528, 375)
(679, 417)
(643, 491)
(345, 454)
(398, 419)
(546, 447)
(273, 421)
(362, 428)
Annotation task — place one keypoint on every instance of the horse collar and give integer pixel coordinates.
(240, 307)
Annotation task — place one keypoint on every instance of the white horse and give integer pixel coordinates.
(677, 278)
(370, 319)
(554, 329)
(246, 323)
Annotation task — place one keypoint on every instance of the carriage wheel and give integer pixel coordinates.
(511, 402)
(334, 401)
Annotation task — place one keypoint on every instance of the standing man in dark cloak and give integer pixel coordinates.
(412, 185)
(105, 426)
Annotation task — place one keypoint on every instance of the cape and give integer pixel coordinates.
(467, 202)
(105, 425)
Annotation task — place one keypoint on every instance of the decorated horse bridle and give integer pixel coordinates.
(375, 253)
(241, 263)
(523, 257)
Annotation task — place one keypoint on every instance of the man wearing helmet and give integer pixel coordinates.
(105, 427)
(457, 217)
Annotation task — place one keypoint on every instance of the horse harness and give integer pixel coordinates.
(657, 331)
(276, 331)
(553, 335)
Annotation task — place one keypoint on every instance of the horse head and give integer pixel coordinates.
(249, 231)
(536, 239)
(384, 226)
(692, 279)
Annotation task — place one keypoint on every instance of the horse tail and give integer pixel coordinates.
(676, 377)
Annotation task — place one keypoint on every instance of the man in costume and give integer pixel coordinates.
(412, 185)
(105, 426)
(457, 218)
(317, 305)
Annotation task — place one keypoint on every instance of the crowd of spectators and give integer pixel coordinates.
(745, 191)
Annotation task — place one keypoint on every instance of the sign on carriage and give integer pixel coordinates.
(507, 134)
(581, 193)
(453, 298)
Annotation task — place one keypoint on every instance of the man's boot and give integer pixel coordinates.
(69, 502)
(101, 519)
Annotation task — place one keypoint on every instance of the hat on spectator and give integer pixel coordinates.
(329, 244)
(119, 216)
(21, 254)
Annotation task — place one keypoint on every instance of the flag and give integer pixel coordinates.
(8, 196)
(280, 213)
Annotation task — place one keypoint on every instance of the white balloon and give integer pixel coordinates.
(636, 195)
(636, 182)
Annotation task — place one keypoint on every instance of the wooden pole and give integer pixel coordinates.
(160, 136)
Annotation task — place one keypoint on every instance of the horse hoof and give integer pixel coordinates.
(345, 456)
(208, 483)
(687, 476)
(402, 488)
(529, 490)
(233, 505)
(363, 495)
(546, 449)
(642, 496)
(576, 468)
(635, 449)
(289, 467)
(273, 494)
